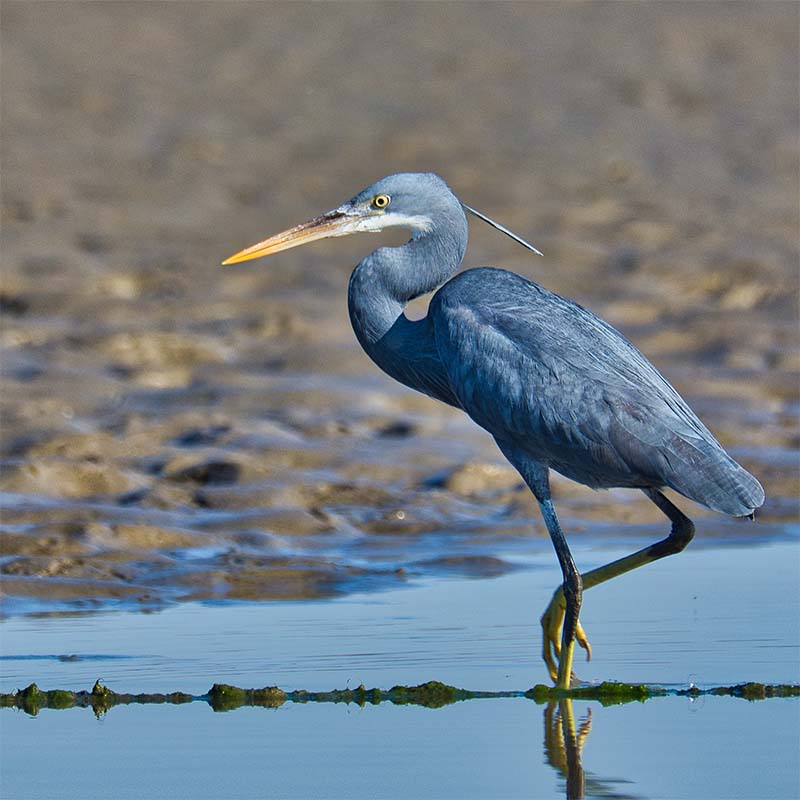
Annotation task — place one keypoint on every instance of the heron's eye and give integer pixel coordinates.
(380, 201)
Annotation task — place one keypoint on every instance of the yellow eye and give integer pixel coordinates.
(380, 201)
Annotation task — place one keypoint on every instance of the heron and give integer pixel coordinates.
(557, 387)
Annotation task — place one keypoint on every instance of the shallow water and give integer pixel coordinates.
(715, 615)
(479, 749)
(719, 615)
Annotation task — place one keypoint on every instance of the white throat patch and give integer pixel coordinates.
(379, 222)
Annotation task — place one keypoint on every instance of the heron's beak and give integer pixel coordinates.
(334, 223)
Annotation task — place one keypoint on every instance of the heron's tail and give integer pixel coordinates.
(721, 484)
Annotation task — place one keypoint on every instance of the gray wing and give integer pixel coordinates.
(548, 376)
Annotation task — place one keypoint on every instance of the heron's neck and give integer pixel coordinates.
(387, 279)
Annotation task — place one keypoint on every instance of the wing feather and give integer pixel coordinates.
(536, 369)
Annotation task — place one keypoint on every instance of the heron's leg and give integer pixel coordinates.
(572, 592)
(680, 535)
(537, 477)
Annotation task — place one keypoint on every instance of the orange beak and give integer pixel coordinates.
(334, 223)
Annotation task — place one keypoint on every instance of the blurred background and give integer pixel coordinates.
(173, 430)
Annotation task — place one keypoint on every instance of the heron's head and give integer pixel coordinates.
(420, 202)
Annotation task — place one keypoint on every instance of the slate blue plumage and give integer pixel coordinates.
(556, 386)
(570, 391)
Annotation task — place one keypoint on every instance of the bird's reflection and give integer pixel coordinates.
(563, 744)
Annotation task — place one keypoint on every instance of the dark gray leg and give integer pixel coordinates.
(537, 477)
(572, 588)
(680, 535)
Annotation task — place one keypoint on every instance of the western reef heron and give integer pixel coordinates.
(555, 386)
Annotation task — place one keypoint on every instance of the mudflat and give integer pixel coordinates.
(175, 431)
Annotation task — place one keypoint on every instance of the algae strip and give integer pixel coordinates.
(433, 694)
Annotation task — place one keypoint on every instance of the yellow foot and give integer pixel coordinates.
(552, 623)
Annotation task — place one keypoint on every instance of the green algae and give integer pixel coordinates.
(747, 691)
(101, 698)
(223, 697)
(32, 699)
(608, 693)
(59, 699)
(432, 694)
(360, 696)
(757, 691)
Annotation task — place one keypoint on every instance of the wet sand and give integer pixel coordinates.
(175, 432)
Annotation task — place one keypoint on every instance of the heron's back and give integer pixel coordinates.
(569, 390)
